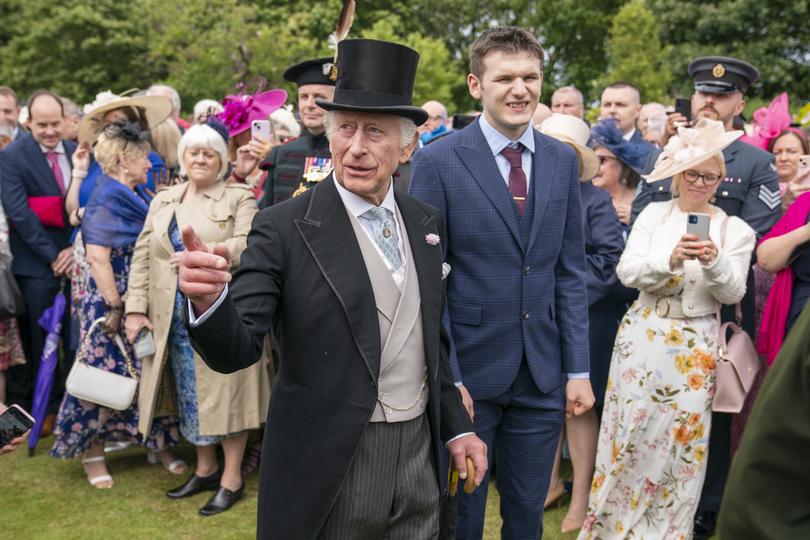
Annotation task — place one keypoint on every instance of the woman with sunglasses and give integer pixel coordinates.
(654, 435)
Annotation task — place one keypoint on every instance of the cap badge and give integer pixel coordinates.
(718, 71)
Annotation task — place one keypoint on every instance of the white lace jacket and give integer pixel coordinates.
(644, 264)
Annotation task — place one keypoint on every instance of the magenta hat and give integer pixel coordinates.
(241, 109)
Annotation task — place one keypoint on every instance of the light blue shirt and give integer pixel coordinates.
(497, 141)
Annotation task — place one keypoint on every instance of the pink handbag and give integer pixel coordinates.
(737, 365)
(737, 359)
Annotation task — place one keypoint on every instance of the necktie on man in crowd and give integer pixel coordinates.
(53, 159)
(517, 178)
(385, 235)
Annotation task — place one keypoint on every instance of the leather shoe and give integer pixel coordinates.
(47, 425)
(223, 499)
(705, 522)
(194, 485)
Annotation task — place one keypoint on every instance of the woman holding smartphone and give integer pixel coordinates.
(653, 439)
(113, 219)
(213, 408)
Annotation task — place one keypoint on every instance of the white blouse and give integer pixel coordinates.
(644, 264)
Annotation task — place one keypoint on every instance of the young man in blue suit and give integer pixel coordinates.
(516, 296)
(36, 172)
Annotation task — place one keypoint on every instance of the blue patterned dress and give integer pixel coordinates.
(181, 356)
(80, 423)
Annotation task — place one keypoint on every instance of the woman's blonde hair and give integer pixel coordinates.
(165, 138)
(717, 157)
(110, 145)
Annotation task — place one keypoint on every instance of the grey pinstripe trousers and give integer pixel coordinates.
(390, 491)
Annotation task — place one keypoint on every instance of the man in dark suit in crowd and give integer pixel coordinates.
(10, 111)
(622, 101)
(516, 299)
(750, 191)
(349, 275)
(36, 172)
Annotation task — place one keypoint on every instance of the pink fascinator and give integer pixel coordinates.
(769, 122)
(243, 108)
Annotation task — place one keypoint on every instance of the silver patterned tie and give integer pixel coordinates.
(385, 234)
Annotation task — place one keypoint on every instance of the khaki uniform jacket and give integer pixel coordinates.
(227, 403)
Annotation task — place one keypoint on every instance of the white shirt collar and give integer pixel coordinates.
(629, 135)
(498, 141)
(358, 206)
(60, 148)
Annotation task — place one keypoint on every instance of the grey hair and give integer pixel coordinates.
(407, 128)
(156, 89)
(203, 136)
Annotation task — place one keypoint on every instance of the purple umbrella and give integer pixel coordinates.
(51, 322)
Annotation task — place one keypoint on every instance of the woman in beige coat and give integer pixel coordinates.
(212, 407)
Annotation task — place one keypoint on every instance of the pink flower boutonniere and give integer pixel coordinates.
(432, 239)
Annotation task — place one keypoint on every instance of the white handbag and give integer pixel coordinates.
(100, 386)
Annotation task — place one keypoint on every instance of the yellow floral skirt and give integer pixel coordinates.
(654, 435)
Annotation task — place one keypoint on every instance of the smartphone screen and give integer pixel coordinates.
(13, 423)
(261, 129)
(698, 224)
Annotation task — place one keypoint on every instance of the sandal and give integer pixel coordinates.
(252, 458)
(102, 481)
(177, 466)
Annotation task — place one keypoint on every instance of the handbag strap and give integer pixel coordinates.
(82, 353)
(721, 335)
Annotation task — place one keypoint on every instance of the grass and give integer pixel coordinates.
(47, 498)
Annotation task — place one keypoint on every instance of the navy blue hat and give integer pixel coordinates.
(311, 72)
(608, 134)
(721, 74)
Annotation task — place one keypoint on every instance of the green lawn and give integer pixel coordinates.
(47, 498)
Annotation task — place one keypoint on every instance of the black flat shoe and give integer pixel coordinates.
(223, 499)
(194, 485)
(705, 523)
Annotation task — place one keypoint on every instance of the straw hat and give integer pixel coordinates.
(570, 129)
(692, 146)
(154, 109)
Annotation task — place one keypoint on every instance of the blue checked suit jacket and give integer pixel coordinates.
(516, 287)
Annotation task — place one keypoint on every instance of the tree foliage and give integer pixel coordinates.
(634, 52)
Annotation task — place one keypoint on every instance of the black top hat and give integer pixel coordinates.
(375, 76)
(311, 72)
(721, 74)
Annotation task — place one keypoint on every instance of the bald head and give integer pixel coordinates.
(568, 100)
(437, 115)
(46, 118)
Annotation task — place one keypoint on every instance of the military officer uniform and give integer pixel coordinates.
(302, 163)
(750, 191)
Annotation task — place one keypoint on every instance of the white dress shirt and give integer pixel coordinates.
(498, 141)
(61, 157)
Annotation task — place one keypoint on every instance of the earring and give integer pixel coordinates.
(126, 170)
(713, 199)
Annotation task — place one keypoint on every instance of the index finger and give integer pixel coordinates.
(202, 259)
(192, 241)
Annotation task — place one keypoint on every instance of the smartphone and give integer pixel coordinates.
(698, 224)
(144, 345)
(684, 106)
(261, 129)
(804, 166)
(14, 423)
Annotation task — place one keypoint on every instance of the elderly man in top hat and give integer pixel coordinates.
(301, 163)
(750, 190)
(350, 277)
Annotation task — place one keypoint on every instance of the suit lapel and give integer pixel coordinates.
(476, 155)
(544, 166)
(427, 260)
(330, 239)
(730, 153)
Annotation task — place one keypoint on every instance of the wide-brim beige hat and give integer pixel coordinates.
(155, 109)
(692, 146)
(575, 132)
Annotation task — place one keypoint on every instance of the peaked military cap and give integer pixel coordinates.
(722, 74)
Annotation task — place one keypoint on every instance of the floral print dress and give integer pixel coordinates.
(79, 423)
(654, 435)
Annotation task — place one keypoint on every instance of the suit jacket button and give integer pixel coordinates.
(691, 306)
(692, 281)
(724, 194)
(527, 270)
(389, 410)
(525, 315)
(660, 188)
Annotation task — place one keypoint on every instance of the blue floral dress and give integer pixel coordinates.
(181, 356)
(81, 423)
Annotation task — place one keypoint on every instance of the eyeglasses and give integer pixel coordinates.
(709, 179)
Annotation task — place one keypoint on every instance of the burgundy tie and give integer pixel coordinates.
(517, 178)
(53, 159)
